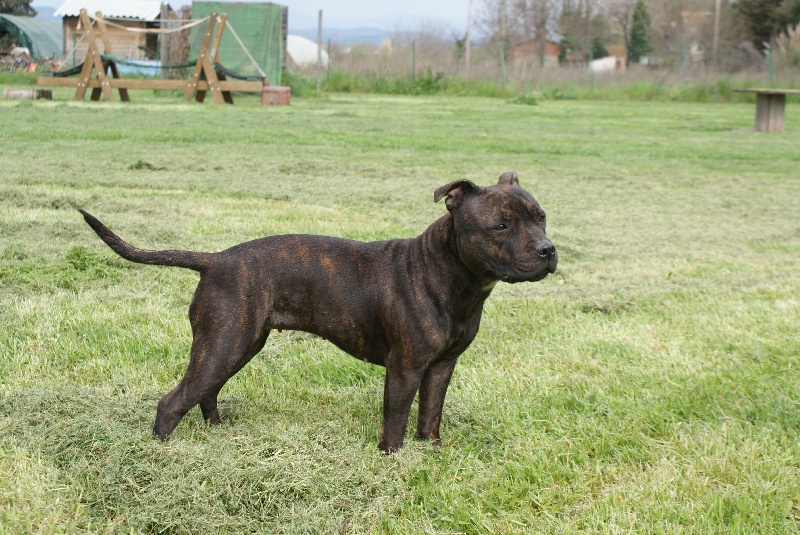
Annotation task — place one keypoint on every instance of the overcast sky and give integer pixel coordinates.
(354, 13)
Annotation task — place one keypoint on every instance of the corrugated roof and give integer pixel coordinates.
(125, 9)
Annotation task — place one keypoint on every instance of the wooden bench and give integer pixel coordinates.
(96, 68)
(770, 104)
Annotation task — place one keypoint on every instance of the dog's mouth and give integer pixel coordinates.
(547, 269)
(534, 278)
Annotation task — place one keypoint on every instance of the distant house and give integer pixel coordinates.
(528, 52)
(137, 14)
(620, 55)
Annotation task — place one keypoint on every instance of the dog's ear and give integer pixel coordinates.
(509, 179)
(455, 192)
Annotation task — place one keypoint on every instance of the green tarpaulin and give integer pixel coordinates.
(260, 26)
(42, 37)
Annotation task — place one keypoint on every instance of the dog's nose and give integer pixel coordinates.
(545, 249)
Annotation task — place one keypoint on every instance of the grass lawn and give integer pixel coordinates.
(652, 384)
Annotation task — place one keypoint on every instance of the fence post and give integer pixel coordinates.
(502, 66)
(319, 53)
(164, 41)
(768, 51)
(414, 61)
(467, 37)
(683, 62)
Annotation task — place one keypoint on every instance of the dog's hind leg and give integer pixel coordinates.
(208, 405)
(219, 350)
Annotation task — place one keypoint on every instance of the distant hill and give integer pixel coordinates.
(347, 37)
(44, 12)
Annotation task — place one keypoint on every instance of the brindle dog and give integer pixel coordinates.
(411, 305)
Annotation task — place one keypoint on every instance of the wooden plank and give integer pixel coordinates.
(215, 57)
(53, 81)
(776, 110)
(95, 60)
(769, 91)
(777, 104)
(101, 30)
(86, 71)
(769, 112)
(142, 83)
(762, 113)
(208, 71)
(191, 88)
(101, 26)
(213, 82)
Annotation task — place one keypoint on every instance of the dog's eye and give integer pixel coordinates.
(501, 226)
(542, 218)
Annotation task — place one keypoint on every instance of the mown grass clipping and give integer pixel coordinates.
(651, 384)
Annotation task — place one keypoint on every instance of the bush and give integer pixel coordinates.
(427, 84)
(18, 78)
(300, 85)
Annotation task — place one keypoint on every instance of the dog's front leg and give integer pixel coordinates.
(431, 399)
(399, 389)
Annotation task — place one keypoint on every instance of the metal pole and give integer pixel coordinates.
(502, 65)
(329, 59)
(164, 41)
(589, 44)
(468, 47)
(683, 62)
(715, 45)
(414, 61)
(319, 53)
(768, 51)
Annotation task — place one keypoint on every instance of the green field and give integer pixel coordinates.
(652, 384)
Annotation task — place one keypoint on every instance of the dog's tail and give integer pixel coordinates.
(184, 259)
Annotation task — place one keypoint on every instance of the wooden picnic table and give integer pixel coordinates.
(770, 104)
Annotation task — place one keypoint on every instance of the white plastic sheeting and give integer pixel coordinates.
(303, 52)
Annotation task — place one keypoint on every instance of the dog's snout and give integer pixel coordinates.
(545, 249)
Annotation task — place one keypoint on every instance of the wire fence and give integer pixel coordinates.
(423, 61)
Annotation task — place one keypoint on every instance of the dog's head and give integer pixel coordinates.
(499, 230)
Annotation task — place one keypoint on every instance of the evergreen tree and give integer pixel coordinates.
(17, 7)
(598, 49)
(767, 18)
(564, 48)
(639, 44)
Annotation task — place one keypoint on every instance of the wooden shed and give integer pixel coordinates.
(127, 13)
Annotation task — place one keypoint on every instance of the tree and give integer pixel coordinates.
(511, 21)
(583, 22)
(639, 43)
(565, 48)
(621, 12)
(765, 19)
(598, 49)
(17, 7)
(539, 12)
